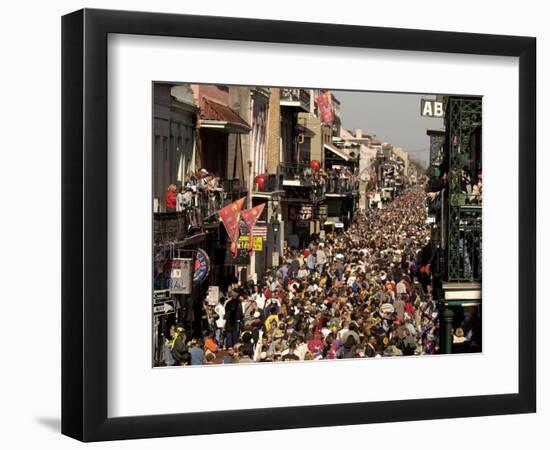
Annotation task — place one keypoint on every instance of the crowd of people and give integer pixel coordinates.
(364, 292)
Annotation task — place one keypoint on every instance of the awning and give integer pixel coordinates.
(214, 115)
(338, 152)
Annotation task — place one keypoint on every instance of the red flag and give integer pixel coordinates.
(324, 102)
(230, 217)
(250, 216)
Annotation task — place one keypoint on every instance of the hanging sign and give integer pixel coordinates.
(275, 259)
(257, 243)
(202, 266)
(302, 212)
(179, 270)
(322, 213)
(213, 297)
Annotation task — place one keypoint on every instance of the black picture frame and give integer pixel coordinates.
(84, 224)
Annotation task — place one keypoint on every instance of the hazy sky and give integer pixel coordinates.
(393, 118)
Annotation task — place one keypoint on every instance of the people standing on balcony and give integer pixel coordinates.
(171, 198)
(466, 181)
(433, 190)
(477, 190)
(184, 199)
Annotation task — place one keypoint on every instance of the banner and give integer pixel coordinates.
(229, 215)
(250, 216)
(324, 102)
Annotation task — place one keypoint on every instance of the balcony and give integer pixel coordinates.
(465, 252)
(272, 185)
(199, 213)
(296, 98)
(301, 183)
(341, 187)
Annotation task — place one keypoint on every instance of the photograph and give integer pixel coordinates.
(306, 224)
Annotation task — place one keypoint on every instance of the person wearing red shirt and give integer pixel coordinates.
(171, 198)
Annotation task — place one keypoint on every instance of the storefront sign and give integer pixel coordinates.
(302, 212)
(258, 243)
(202, 266)
(180, 270)
(431, 108)
(322, 213)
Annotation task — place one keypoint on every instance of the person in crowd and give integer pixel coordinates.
(196, 353)
(179, 347)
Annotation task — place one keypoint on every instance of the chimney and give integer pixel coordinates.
(358, 133)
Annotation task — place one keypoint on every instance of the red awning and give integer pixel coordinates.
(217, 115)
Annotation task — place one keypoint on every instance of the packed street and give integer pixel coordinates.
(361, 293)
(281, 235)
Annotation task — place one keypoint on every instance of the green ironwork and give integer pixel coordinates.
(464, 221)
(436, 143)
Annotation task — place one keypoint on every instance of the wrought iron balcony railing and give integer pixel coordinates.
(200, 208)
(295, 171)
(342, 186)
(295, 97)
(465, 249)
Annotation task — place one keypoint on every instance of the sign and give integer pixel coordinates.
(164, 308)
(275, 259)
(242, 257)
(322, 213)
(431, 108)
(213, 297)
(161, 296)
(258, 243)
(302, 212)
(249, 217)
(180, 270)
(201, 267)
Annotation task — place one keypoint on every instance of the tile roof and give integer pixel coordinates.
(212, 110)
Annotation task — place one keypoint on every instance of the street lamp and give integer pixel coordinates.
(274, 224)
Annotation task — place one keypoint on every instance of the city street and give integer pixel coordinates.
(281, 235)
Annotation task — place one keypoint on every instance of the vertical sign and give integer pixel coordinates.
(180, 275)
(431, 108)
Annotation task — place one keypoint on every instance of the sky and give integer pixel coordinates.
(393, 118)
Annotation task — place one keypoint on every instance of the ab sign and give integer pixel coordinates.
(431, 108)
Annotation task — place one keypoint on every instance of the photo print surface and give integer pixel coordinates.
(301, 224)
